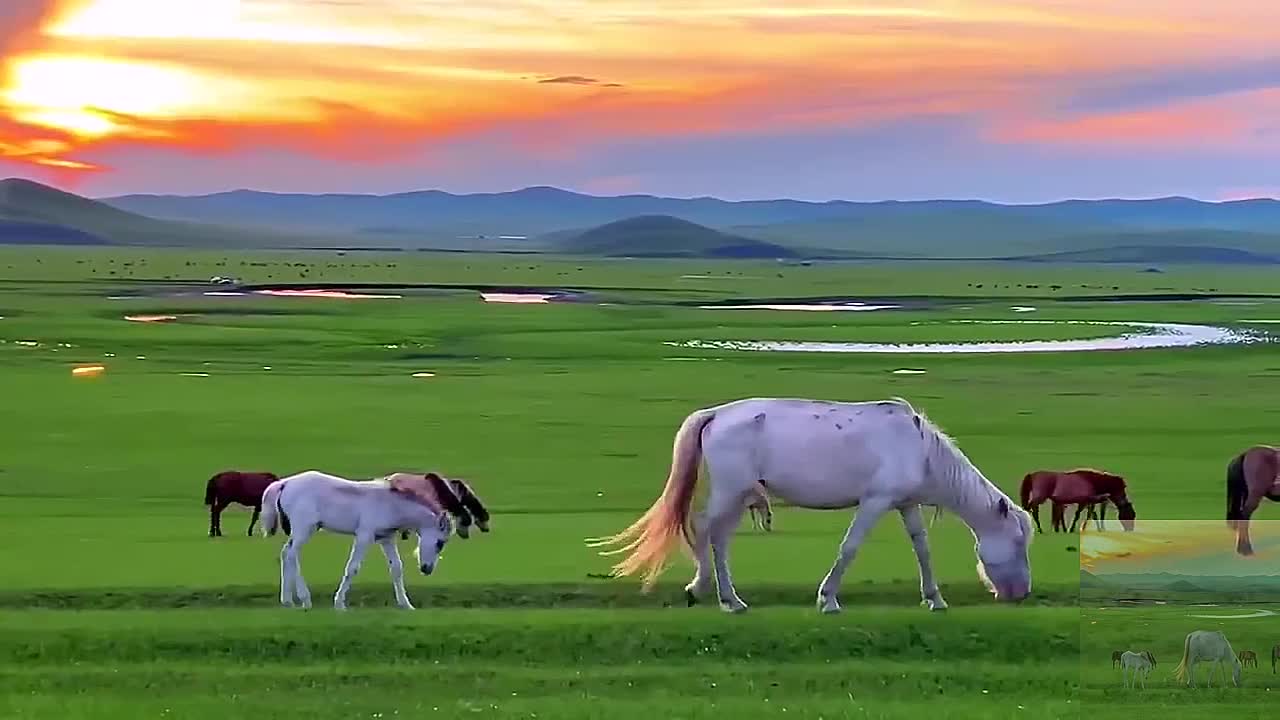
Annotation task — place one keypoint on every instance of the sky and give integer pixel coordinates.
(1004, 100)
(1191, 547)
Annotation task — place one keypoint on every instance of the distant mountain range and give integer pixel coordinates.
(544, 219)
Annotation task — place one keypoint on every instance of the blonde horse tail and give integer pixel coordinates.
(652, 537)
(1181, 671)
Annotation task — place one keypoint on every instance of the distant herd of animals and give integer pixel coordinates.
(876, 456)
(1207, 646)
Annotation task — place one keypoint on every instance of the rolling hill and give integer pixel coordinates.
(32, 213)
(664, 236)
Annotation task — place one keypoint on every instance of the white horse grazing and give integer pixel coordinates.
(371, 510)
(1139, 664)
(1207, 646)
(877, 456)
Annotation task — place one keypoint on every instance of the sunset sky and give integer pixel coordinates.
(1008, 100)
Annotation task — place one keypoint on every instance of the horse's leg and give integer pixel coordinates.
(286, 574)
(1035, 515)
(215, 517)
(700, 585)
(358, 547)
(257, 510)
(397, 572)
(1080, 508)
(724, 512)
(300, 536)
(868, 513)
(913, 521)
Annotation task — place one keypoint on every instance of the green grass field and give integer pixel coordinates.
(1162, 630)
(562, 416)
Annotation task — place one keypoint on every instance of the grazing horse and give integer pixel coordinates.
(1248, 656)
(232, 486)
(1115, 658)
(876, 456)
(1252, 476)
(370, 510)
(761, 511)
(1082, 487)
(1139, 664)
(1207, 646)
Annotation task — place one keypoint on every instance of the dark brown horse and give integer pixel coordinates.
(472, 509)
(233, 486)
(1252, 476)
(1082, 487)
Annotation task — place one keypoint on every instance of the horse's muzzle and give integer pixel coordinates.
(427, 569)
(464, 532)
(483, 525)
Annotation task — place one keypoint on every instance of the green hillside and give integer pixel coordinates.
(665, 236)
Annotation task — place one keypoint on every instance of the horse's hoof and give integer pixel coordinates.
(934, 605)
(689, 598)
(734, 608)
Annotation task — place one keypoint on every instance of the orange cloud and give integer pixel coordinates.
(1234, 120)
(372, 80)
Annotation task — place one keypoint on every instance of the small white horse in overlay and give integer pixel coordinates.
(370, 510)
(1207, 646)
(877, 456)
(1139, 664)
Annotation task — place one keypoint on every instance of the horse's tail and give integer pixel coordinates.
(1024, 492)
(273, 515)
(1180, 672)
(652, 537)
(211, 490)
(1237, 489)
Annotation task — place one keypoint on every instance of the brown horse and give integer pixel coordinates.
(233, 486)
(1082, 487)
(1252, 476)
(1115, 658)
(1248, 656)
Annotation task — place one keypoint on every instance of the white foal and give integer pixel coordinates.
(1139, 664)
(370, 510)
(876, 456)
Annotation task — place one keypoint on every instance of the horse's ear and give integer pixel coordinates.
(1002, 507)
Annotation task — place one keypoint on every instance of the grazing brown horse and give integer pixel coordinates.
(1115, 658)
(1252, 476)
(1248, 656)
(232, 486)
(1082, 487)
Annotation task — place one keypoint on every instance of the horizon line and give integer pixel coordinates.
(527, 188)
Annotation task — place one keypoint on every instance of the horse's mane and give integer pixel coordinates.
(948, 463)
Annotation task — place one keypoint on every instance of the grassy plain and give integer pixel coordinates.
(1162, 630)
(562, 415)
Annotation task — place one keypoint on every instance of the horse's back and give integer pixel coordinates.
(816, 453)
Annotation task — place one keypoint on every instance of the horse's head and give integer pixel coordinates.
(1125, 510)
(1002, 550)
(432, 537)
